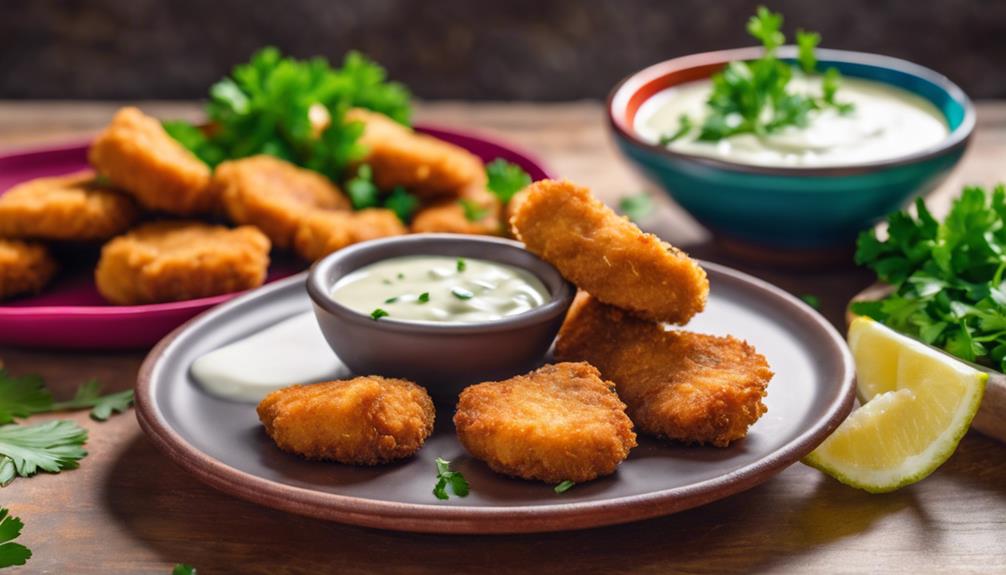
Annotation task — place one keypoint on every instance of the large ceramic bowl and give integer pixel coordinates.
(782, 209)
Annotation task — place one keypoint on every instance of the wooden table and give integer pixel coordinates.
(128, 510)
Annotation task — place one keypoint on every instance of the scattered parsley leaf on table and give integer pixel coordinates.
(102, 406)
(22, 396)
(504, 179)
(183, 569)
(51, 446)
(11, 553)
(446, 477)
(636, 207)
(812, 300)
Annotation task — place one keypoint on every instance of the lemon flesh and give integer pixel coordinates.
(918, 403)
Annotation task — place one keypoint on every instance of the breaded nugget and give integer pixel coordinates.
(273, 195)
(511, 208)
(686, 386)
(363, 421)
(607, 255)
(177, 260)
(322, 232)
(560, 422)
(137, 155)
(427, 166)
(451, 216)
(24, 267)
(71, 207)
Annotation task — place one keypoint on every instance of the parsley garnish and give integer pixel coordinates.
(362, 190)
(183, 569)
(391, 299)
(378, 313)
(753, 97)
(402, 203)
(424, 297)
(24, 396)
(11, 553)
(462, 293)
(564, 486)
(505, 179)
(812, 300)
(445, 477)
(461, 265)
(51, 446)
(947, 276)
(293, 109)
(636, 207)
(473, 211)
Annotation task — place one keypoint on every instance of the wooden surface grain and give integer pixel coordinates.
(128, 510)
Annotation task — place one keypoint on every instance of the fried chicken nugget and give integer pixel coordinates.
(24, 267)
(560, 422)
(273, 195)
(362, 421)
(322, 232)
(607, 255)
(452, 216)
(72, 207)
(137, 155)
(429, 167)
(178, 260)
(685, 386)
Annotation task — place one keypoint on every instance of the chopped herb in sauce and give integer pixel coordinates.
(461, 265)
(424, 297)
(378, 314)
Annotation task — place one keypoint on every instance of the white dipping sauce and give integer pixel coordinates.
(440, 289)
(290, 352)
(887, 123)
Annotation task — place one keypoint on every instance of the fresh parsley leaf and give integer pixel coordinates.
(446, 477)
(22, 396)
(362, 190)
(462, 293)
(402, 203)
(812, 300)
(473, 210)
(51, 446)
(11, 553)
(183, 569)
(685, 125)
(806, 43)
(391, 299)
(196, 141)
(102, 406)
(636, 207)
(461, 265)
(424, 297)
(564, 486)
(505, 179)
(378, 313)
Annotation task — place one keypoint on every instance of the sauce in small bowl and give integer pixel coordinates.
(491, 308)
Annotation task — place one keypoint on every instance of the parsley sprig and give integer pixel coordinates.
(754, 97)
(947, 276)
(11, 553)
(27, 395)
(445, 477)
(51, 446)
(504, 179)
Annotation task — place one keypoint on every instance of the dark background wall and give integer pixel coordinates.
(522, 49)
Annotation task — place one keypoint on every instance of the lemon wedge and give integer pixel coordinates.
(917, 404)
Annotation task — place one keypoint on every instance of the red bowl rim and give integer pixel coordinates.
(631, 92)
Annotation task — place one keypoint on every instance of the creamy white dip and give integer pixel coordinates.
(887, 123)
(440, 289)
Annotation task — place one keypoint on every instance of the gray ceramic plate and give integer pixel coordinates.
(223, 444)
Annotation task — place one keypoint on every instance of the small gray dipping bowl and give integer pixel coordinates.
(444, 358)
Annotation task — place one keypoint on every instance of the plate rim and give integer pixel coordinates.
(430, 518)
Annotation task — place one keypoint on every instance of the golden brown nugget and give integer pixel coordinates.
(273, 195)
(137, 155)
(177, 260)
(511, 208)
(426, 166)
(451, 216)
(24, 268)
(685, 386)
(607, 255)
(73, 207)
(560, 422)
(322, 232)
(362, 421)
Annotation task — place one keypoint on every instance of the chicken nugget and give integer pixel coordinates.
(607, 255)
(685, 386)
(73, 207)
(477, 212)
(362, 421)
(428, 167)
(322, 232)
(178, 260)
(137, 155)
(560, 422)
(24, 268)
(273, 195)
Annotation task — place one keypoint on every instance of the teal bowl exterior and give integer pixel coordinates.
(793, 209)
